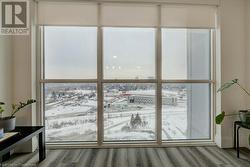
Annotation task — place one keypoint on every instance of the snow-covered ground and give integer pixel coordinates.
(74, 118)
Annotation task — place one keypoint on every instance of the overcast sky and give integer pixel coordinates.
(71, 53)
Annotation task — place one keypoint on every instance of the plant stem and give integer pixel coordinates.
(12, 115)
(243, 89)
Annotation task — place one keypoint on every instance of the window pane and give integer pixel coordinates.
(129, 53)
(70, 112)
(185, 111)
(70, 52)
(185, 54)
(129, 112)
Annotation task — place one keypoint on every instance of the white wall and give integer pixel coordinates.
(202, 2)
(17, 79)
(24, 80)
(5, 72)
(248, 49)
(23, 83)
(233, 58)
(248, 54)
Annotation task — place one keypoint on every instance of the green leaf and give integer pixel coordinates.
(13, 106)
(20, 105)
(219, 118)
(1, 109)
(227, 85)
(235, 80)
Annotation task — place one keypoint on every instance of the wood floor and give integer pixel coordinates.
(135, 157)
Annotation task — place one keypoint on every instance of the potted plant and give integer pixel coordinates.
(9, 123)
(243, 114)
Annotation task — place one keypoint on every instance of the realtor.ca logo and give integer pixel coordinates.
(14, 17)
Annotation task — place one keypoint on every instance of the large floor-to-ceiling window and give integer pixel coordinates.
(70, 54)
(127, 77)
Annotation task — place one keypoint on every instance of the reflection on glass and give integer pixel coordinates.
(185, 54)
(70, 112)
(188, 116)
(129, 53)
(129, 112)
(70, 52)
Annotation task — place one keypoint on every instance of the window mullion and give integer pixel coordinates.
(42, 76)
(159, 80)
(213, 77)
(100, 125)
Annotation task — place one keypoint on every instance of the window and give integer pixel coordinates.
(70, 52)
(70, 109)
(124, 49)
(70, 112)
(186, 54)
(129, 108)
(186, 106)
(185, 111)
(126, 72)
(129, 112)
(126, 84)
(129, 84)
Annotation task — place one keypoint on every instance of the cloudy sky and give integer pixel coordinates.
(71, 53)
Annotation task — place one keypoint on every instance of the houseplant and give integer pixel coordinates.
(243, 114)
(9, 123)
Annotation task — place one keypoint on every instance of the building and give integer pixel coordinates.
(150, 99)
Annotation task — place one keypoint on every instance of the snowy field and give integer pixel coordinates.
(73, 117)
